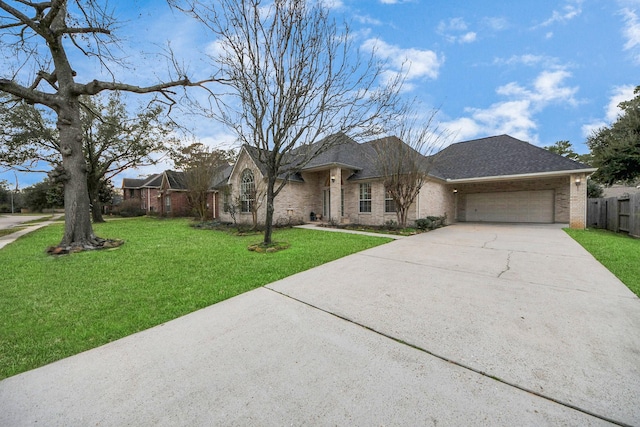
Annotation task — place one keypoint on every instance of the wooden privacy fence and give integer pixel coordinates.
(615, 214)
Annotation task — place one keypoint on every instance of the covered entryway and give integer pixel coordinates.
(511, 206)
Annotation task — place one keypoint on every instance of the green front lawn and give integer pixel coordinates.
(51, 308)
(618, 252)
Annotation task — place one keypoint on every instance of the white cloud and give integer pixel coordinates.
(612, 111)
(528, 60)
(455, 31)
(467, 38)
(367, 20)
(631, 33)
(567, 13)
(416, 63)
(496, 23)
(396, 1)
(516, 115)
(333, 4)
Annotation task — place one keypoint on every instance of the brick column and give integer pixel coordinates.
(335, 185)
(578, 201)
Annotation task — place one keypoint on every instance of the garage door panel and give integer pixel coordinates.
(511, 206)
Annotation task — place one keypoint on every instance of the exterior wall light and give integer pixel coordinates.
(455, 190)
(578, 182)
(333, 178)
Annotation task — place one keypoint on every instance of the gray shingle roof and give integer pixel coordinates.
(132, 182)
(498, 156)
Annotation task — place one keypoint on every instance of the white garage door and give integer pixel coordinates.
(513, 206)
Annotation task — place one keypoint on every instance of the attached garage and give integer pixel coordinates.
(511, 206)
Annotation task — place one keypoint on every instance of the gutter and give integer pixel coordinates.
(520, 176)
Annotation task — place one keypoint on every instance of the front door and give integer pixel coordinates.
(326, 203)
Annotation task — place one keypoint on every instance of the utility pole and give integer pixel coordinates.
(16, 190)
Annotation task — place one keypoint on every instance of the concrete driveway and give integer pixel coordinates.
(466, 325)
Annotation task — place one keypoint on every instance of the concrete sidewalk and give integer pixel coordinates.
(466, 325)
(15, 221)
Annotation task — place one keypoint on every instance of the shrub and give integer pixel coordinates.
(430, 222)
(391, 225)
(288, 222)
(130, 208)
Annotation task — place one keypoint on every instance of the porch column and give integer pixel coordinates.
(578, 201)
(335, 185)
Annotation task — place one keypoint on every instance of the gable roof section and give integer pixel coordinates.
(173, 180)
(153, 181)
(500, 156)
(221, 176)
(344, 152)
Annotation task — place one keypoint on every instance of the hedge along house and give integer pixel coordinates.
(496, 179)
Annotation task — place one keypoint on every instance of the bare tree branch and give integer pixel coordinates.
(295, 78)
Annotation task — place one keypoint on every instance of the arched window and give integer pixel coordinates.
(247, 190)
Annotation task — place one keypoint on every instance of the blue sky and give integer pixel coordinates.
(538, 70)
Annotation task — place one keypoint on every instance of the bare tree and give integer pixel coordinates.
(200, 166)
(41, 36)
(404, 161)
(295, 77)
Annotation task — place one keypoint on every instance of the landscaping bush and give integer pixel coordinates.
(130, 208)
(430, 222)
(288, 222)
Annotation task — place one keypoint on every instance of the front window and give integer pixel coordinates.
(167, 204)
(226, 201)
(365, 198)
(389, 203)
(247, 191)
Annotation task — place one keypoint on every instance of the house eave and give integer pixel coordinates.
(328, 166)
(551, 174)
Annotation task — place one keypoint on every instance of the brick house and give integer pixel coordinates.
(166, 193)
(495, 179)
(145, 190)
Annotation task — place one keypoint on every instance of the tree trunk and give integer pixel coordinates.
(78, 231)
(402, 215)
(268, 221)
(96, 210)
(94, 199)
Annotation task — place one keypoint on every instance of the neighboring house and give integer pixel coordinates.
(166, 193)
(145, 190)
(495, 179)
(131, 188)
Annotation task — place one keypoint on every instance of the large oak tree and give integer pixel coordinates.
(114, 140)
(42, 36)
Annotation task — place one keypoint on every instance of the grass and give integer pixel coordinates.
(51, 308)
(618, 252)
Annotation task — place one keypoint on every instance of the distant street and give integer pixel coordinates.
(9, 221)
